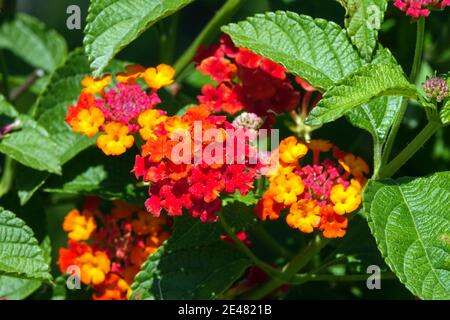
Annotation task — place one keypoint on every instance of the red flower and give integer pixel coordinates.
(220, 69)
(68, 256)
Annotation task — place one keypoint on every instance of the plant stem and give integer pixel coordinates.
(29, 81)
(426, 133)
(7, 176)
(414, 70)
(208, 33)
(241, 246)
(167, 38)
(261, 233)
(4, 70)
(290, 270)
(345, 278)
(377, 154)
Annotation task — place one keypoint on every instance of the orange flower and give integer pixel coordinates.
(116, 140)
(267, 207)
(146, 223)
(291, 150)
(79, 226)
(304, 215)
(159, 77)
(149, 120)
(333, 225)
(348, 199)
(94, 86)
(320, 145)
(175, 123)
(113, 288)
(68, 257)
(286, 188)
(122, 210)
(94, 267)
(354, 165)
(85, 120)
(158, 148)
(131, 74)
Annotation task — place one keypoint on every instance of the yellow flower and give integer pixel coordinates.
(286, 188)
(354, 165)
(93, 86)
(131, 74)
(346, 200)
(87, 121)
(79, 226)
(304, 215)
(116, 140)
(149, 120)
(280, 169)
(291, 150)
(159, 77)
(94, 267)
(320, 145)
(175, 123)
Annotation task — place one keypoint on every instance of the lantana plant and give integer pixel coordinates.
(274, 152)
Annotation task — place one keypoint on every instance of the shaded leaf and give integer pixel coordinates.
(316, 50)
(410, 220)
(33, 149)
(361, 87)
(193, 264)
(20, 254)
(29, 39)
(113, 24)
(363, 20)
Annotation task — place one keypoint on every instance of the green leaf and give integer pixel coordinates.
(193, 264)
(410, 220)
(7, 109)
(20, 254)
(316, 50)
(113, 24)
(369, 82)
(377, 116)
(51, 108)
(363, 20)
(30, 40)
(94, 173)
(445, 113)
(32, 148)
(13, 288)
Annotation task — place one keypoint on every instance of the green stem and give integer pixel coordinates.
(346, 278)
(261, 233)
(377, 159)
(414, 71)
(4, 70)
(241, 246)
(290, 270)
(7, 176)
(392, 167)
(207, 35)
(167, 39)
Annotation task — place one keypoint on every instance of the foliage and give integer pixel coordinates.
(74, 143)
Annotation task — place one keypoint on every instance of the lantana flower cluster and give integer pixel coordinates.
(245, 81)
(193, 179)
(317, 196)
(420, 8)
(118, 111)
(109, 249)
